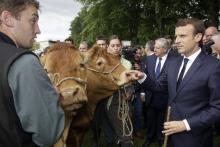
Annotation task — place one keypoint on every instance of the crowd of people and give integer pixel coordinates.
(182, 74)
(149, 103)
(191, 105)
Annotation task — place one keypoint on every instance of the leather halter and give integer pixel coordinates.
(107, 73)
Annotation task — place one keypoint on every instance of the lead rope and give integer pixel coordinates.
(55, 78)
(123, 114)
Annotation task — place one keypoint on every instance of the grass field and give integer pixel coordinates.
(88, 141)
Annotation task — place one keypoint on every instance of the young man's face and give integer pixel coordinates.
(102, 44)
(114, 47)
(25, 27)
(186, 40)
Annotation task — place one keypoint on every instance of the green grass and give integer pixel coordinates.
(88, 141)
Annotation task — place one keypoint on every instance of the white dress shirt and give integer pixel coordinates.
(163, 59)
(189, 63)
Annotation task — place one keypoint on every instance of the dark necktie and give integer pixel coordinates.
(157, 72)
(182, 73)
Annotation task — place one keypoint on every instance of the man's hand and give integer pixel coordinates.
(134, 75)
(129, 76)
(173, 127)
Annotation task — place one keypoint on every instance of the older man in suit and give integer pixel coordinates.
(193, 83)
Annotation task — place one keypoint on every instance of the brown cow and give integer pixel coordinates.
(70, 78)
(104, 76)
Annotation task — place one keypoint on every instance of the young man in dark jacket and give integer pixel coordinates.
(30, 113)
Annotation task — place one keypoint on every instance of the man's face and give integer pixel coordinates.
(114, 47)
(102, 43)
(209, 32)
(186, 41)
(25, 27)
(158, 50)
(83, 48)
(216, 45)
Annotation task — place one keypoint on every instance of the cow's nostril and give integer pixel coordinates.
(75, 91)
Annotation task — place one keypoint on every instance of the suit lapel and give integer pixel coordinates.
(170, 53)
(152, 65)
(194, 67)
(173, 76)
(165, 63)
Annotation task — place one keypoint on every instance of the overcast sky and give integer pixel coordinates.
(55, 18)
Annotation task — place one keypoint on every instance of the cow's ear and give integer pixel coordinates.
(96, 48)
(91, 53)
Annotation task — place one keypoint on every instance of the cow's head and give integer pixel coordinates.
(104, 71)
(63, 64)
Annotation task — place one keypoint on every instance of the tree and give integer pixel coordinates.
(35, 46)
(138, 20)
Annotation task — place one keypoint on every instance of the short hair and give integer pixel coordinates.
(198, 25)
(213, 28)
(69, 39)
(163, 42)
(17, 6)
(114, 37)
(101, 37)
(150, 45)
(216, 36)
(169, 39)
(84, 42)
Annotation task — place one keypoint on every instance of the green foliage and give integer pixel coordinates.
(138, 20)
(35, 46)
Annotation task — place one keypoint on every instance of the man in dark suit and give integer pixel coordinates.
(193, 83)
(155, 64)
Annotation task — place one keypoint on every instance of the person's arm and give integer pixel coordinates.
(36, 101)
(153, 85)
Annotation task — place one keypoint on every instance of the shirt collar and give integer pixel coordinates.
(164, 57)
(194, 55)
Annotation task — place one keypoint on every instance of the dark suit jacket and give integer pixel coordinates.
(197, 100)
(147, 92)
(158, 100)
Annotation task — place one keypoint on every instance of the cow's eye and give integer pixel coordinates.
(99, 63)
(82, 65)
